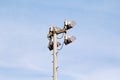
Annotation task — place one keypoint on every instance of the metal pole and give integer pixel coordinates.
(54, 55)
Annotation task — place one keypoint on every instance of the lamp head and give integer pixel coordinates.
(69, 39)
(50, 46)
(69, 24)
(51, 29)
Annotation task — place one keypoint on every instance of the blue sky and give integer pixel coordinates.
(24, 25)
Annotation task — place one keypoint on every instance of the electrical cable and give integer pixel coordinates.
(61, 36)
(61, 46)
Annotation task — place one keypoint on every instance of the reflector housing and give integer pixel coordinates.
(50, 46)
(69, 39)
(69, 24)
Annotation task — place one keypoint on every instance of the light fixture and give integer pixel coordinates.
(68, 39)
(51, 29)
(68, 24)
(54, 44)
(50, 45)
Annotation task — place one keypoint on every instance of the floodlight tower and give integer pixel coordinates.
(54, 44)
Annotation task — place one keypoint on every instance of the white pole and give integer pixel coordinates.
(55, 55)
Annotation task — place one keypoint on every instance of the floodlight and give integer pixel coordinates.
(69, 24)
(54, 44)
(51, 29)
(69, 39)
(50, 46)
